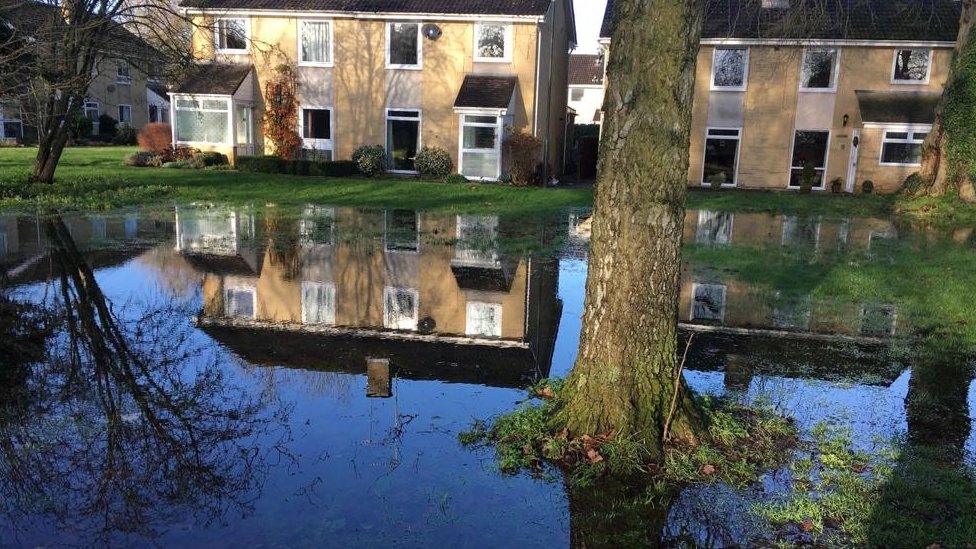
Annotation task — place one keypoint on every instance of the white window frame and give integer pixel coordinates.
(745, 71)
(4, 119)
(706, 218)
(738, 151)
(174, 106)
(419, 119)
(315, 143)
(928, 68)
(911, 131)
(122, 106)
(468, 325)
(791, 167)
(499, 126)
(420, 46)
(241, 288)
(331, 53)
(574, 89)
(123, 77)
(232, 51)
(834, 78)
(694, 293)
(412, 321)
(507, 58)
(330, 291)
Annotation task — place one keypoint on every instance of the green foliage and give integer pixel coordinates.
(836, 185)
(809, 178)
(107, 126)
(208, 159)
(741, 200)
(434, 162)
(867, 187)
(959, 112)
(370, 160)
(125, 135)
(455, 179)
(81, 126)
(76, 193)
(142, 159)
(273, 164)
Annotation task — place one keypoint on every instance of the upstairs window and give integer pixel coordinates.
(903, 147)
(483, 319)
(315, 43)
(492, 42)
(122, 73)
(576, 94)
(730, 68)
(911, 66)
(403, 45)
(400, 308)
(818, 70)
(230, 36)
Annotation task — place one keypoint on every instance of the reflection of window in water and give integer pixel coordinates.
(801, 232)
(131, 226)
(708, 302)
(714, 227)
(3, 241)
(484, 319)
(99, 227)
(791, 312)
(401, 233)
(400, 308)
(843, 233)
(878, 320)
(240, 302)
(882, 242)
(317, 226)
(318, 303)
(212, 230)
(477, 240)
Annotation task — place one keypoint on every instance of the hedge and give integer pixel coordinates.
(273, 164)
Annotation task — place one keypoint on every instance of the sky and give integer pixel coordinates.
(589, 17)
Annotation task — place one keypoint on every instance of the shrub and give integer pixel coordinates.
(808, 177)
(81, 127)
(125, 135)
(434, 162)
(455, 179)
(523, 149)
(260, 164)
(370, 160)
(867, 187)
(273, 164)
(142, 159)
(208, 159)
(155, 138)
(107, 126)
(836, 184)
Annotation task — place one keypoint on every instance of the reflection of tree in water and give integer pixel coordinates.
(618, 513)
(129, 424)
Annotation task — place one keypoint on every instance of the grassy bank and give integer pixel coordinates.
(110, 184)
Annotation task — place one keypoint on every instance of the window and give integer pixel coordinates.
(878, 320)
(714, 227)
(91, 110)
(402, 139)
(492, 42)
(403, 45)
(911, 66)
(99, 227)
(401, 231)
(801, 234)
(125, 114)
(11, 126)
(318, 303)
(240, 302)
(122, 73)
(202, 120)
(131, 226)
(708, 302)
(400, 308)
(244, 130)
(481, 146)
(484, 319)
(809, 150)
(903, 147)
(230, 36)
(315, 43)
(818, 70)
(477, 241)
(721, 156)
(316, 129)
(730, 69)
(576, 94)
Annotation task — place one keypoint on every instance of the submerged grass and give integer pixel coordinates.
(779, 202)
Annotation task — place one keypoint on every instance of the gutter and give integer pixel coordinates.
(817, 42)
(368, 15)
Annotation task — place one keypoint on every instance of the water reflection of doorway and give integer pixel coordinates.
(402, 139)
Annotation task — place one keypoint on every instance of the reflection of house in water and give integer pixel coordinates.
(713, 300)
(430, 292)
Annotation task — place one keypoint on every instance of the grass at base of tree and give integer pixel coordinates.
(742, 444)
(115, 185)
(938, 211)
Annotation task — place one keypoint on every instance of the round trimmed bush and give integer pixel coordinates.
(370, 160)
(434, 162)
(208, 159)
(455, 179)
(125, 135)
(867, 187)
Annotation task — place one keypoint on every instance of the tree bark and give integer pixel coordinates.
(627, 368)
(940, 173)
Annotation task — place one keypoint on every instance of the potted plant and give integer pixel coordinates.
(836, 184)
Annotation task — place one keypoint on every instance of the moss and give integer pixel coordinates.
(959, 112)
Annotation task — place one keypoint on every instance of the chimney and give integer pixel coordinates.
(776, 4)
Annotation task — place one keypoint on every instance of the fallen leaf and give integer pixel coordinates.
(708, 470)
(563, 435)
(594, 456)
(806, 525)
(527, 449)
(546, 392)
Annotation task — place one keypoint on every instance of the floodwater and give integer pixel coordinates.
(207, 375)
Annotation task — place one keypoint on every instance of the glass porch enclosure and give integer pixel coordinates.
(213, 122)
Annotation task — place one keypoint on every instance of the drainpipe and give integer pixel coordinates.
(552, 51)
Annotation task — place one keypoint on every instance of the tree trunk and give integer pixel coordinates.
(627, 369)
(941, 173)
(51, 143)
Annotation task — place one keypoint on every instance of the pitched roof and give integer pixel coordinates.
(485, 92)
(214, 78)
(454, 7)
(916, 20)
(585, 70)
(898, 107)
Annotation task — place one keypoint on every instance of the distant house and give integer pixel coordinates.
(586, 87)
(408, 74)
(854, 98)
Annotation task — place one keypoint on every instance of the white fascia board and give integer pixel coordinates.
(367, 15)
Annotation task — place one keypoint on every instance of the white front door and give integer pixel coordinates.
(852, 165)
